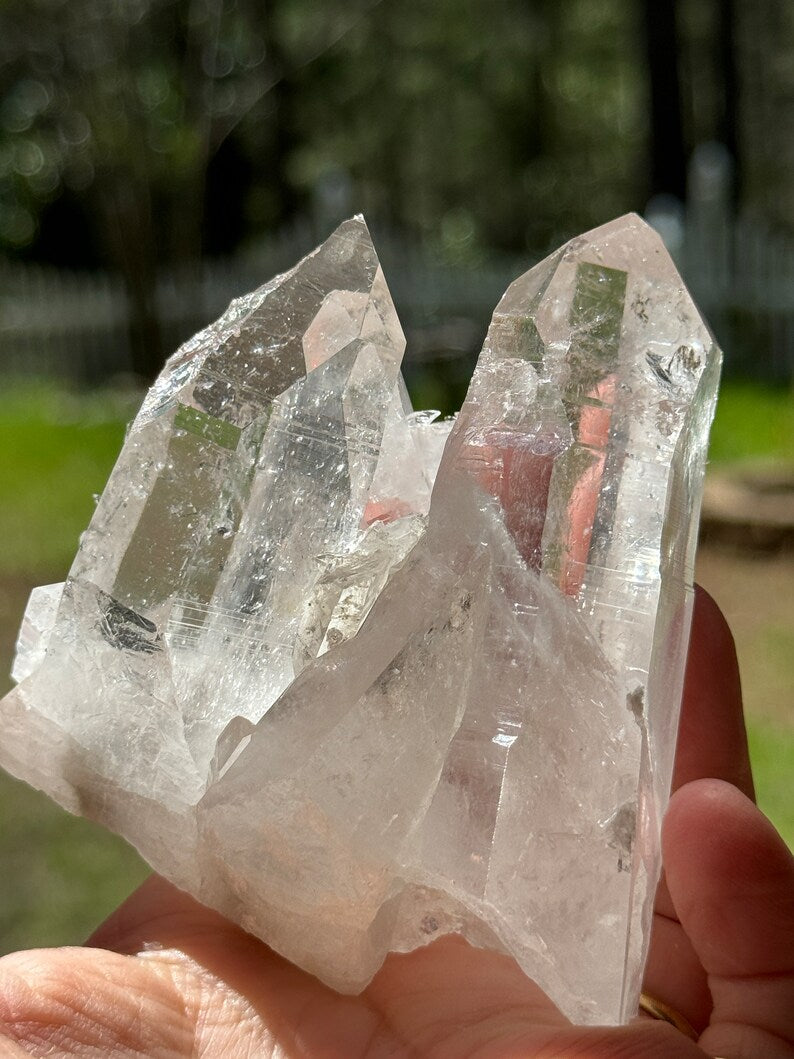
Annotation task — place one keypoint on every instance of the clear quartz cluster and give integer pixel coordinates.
(358, 678)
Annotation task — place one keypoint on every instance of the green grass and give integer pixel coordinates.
(772, 755)
(62, 875)
(752, 422)
(56, 452)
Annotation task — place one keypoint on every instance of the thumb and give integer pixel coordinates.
(731, 880)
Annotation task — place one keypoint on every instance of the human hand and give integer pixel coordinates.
(165, 977)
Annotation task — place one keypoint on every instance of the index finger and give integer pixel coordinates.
(712, 740)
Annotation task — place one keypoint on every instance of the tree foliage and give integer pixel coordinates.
(478, 125)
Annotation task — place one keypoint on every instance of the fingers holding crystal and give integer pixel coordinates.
(731, 879)
(711, 743)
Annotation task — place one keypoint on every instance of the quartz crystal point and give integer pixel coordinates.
(354, 719)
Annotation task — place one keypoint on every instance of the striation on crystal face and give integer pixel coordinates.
(357, 678)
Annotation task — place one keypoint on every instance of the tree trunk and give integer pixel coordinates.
(280, 119)
(131, 246)
(667, 148)
(728, 131)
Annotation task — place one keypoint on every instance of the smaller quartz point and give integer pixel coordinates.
(35, 630)
(357, 677)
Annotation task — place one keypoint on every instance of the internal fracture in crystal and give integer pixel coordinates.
(359, 678)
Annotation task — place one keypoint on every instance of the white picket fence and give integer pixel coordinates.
(75, 326)
(741, 274)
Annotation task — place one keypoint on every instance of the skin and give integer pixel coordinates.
(166, 978)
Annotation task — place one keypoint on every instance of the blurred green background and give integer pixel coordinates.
(158, 157)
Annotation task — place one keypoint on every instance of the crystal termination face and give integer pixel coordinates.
(357, 678)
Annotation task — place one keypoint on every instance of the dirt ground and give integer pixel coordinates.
(756, 594)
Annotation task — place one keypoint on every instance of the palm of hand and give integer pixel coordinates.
(168, 978)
